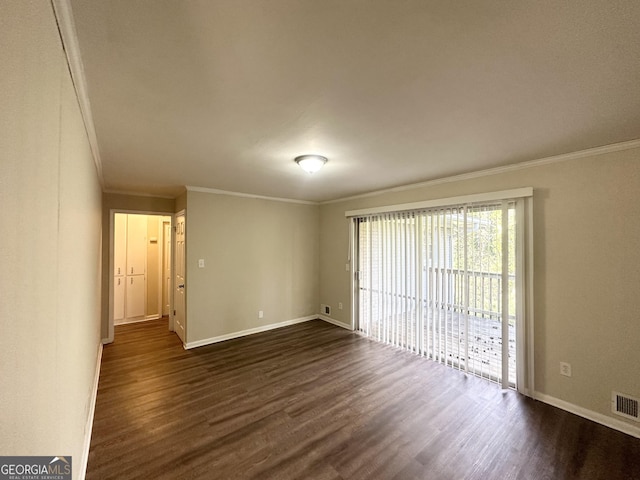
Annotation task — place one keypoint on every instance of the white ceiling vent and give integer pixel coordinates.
(625, 406)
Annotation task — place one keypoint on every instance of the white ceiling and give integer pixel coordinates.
(225, 93)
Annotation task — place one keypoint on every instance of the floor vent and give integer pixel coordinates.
(625, 406)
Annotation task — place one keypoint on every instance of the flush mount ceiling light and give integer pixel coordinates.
(311, 163)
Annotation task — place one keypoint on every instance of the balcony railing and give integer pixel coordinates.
(473, 332)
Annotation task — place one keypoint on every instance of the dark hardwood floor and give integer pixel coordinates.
(314, 401)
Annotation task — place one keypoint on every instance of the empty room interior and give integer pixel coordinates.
(336, 239)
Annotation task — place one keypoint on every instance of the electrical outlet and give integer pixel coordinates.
(339, 305)
(565, 369)
(346, 267)
(260, 314)
(201, 263)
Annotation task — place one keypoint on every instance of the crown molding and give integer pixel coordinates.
(137, 194)
(216, 191)
(69, 38)
(590, 152)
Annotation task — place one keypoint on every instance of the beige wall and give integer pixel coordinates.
(181, 202)
(259, 255)
(50, 243)
(123, 203)
(587, 252)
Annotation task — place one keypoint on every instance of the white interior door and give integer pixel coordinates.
(180, 290)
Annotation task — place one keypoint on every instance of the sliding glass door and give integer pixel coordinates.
(443, 283)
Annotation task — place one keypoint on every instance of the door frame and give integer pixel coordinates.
(354, 267)
(112, 213)
(163, 278)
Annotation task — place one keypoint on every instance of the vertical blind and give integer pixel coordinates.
(441, 282)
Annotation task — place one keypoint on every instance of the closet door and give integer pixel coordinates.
(136, 245)
(135, 296)
(120, 244)
(118, 299)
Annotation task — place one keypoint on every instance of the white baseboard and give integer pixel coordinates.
(605, 420)
(250, 331)
(92, 409)
(137, 320)
(335, 322)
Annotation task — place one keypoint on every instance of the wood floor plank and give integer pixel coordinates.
(314, 401)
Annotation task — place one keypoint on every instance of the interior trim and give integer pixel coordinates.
(249, 331)
(614, 423)
(136, 194)
(216, 191)
(614, 147)
(330, 320)
(92, 409)
(71, 47)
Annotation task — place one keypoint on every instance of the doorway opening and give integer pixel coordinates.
(141, 265)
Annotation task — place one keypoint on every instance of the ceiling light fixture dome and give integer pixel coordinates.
(311, 163)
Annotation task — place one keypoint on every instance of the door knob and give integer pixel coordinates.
(181, 286)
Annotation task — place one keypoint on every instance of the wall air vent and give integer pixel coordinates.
(625, 406)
